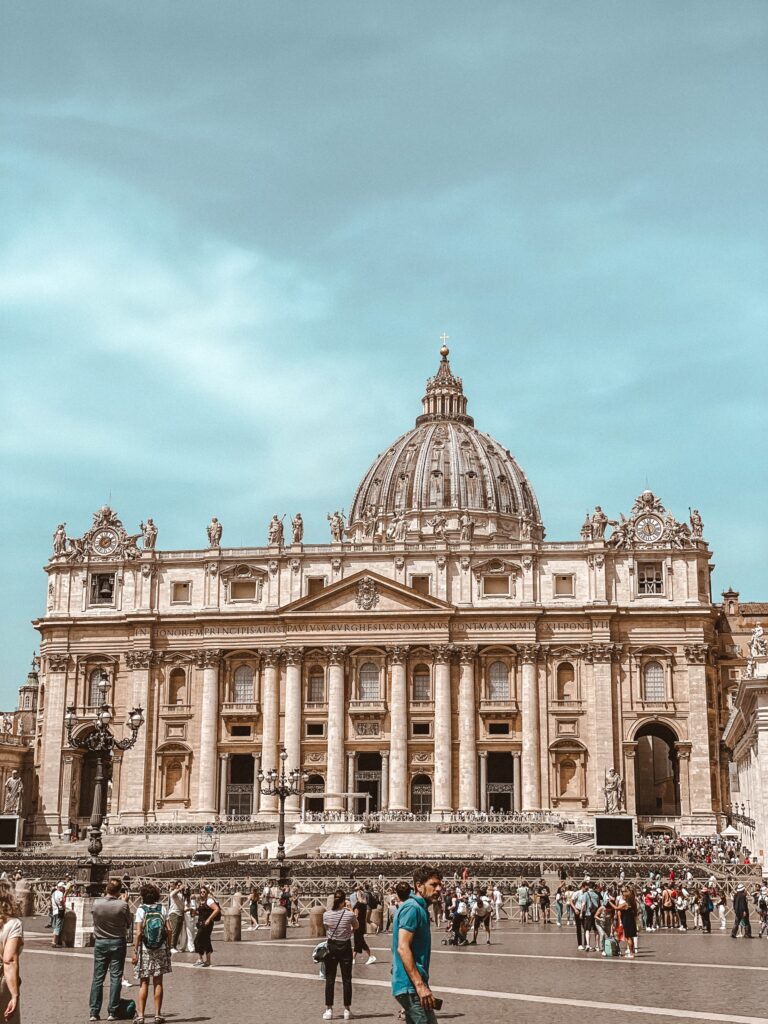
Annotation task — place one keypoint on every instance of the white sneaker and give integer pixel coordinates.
(174, 951)
(328, 1015)
(347, 1015)
(368, 962)
(581, 947)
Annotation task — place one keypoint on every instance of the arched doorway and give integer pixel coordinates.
(314, 788)
(500, 788)
(421, 794)
(368, 780)
(657, 771)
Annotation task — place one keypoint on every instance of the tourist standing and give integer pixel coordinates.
(412, 947)
(360, 911)
(208, 912)
(151, 950)
(524, 901)
(481, 916)
(58, 909)
(340, 923)
(176, 904)
(543, 896)
(11, 945)
(111, 925)
(706, 906)
(741, 912)
(627, 908)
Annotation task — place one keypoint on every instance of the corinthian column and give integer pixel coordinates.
(209, 724)
(49, 814)
(134, 799)
(467, 731)
(698, 734)
(293, 718)
(270, 719)
(334, 783)
(530, 726)
(443, 762)
(398, 731)
(384, 801)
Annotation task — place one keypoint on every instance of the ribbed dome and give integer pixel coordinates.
(446, 467)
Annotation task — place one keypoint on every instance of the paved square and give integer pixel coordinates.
(531, 974)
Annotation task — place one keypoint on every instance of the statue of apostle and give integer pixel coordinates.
(275, 532)
(613, 790)
(297, 526)
(337, 527)
(149, 534)
(214, 531)
(599, 523)
(14, 790)
(60, 539)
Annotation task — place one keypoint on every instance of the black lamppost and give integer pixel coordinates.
(101, 741)
(274, 783)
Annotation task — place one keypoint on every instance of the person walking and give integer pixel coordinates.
(151, 950)
(340, 923)
(253, 910)
(11, 945)
(111, 925)
(741, 912)
(412, 947)
(543, 895)
(176, 914)
(208, 913)
(706, 906)
(360, 911)
(58, 909)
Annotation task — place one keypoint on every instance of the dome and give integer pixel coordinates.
(444, 476)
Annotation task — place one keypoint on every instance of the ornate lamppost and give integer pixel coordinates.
(100, 741)
(281, 785)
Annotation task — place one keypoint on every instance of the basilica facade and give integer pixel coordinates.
(439, 654)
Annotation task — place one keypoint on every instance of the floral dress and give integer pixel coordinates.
(152, 962)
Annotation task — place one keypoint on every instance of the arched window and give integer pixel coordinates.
(498, 681)
(177, 686)
(422, 687)
(369, 681)
(94, 694)
(243, 688)
(27, 701)
(566, 681)
(653, 681)
(316, 685)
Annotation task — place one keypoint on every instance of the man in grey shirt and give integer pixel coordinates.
(112, 921)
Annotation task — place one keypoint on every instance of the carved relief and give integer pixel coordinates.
(367, 594)
(367, 728)
(138, 659)
(422, 757)
(696, 654)
(107, 538)
(57, 662)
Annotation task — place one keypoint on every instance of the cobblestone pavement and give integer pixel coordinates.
(531, 974)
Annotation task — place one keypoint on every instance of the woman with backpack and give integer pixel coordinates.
(208, 912)
(339, 924)
(151, 950)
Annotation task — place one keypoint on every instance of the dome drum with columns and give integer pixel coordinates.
(440, 655)
(443, 473)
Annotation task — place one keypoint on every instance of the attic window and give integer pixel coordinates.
(243, 590)
(420, 584)
(495, 586)
(314, 585)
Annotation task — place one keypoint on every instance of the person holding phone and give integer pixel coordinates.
(412, 948)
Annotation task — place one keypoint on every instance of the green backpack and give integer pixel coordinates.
(153, 933)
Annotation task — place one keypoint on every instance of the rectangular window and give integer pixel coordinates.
(420, 584)
(421, 686)
(315, 729)
(314, 585)
(102, 588)
(498, 728)
(240, 730)
(650, 578)
(563, 586)
(495, 586)
(180, 593)
(242, 590)
(421, 729)
(316, 689)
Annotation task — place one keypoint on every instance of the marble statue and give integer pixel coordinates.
(297, 526)
(466, 527)
(149, 534)
(757, 647)
(337, 526)
(613, 790)
(621, 531)
(276, 535)
(14, 791)
(438, 523)
(60, 539)
(7, 724)
(598, 523)
(400, 528)
(369, 521)
(697, 525)
(214, 531)
(526, 527)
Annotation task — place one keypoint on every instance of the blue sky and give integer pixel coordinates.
(231, 234)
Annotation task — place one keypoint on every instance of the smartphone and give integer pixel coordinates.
(438, 1003)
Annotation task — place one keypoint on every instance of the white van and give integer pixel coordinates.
(202, 857)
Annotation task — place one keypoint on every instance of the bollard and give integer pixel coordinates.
(316, 926)
(376, 920)
(26, 901)
(69, 928)
(232, 925)
(278, 924)
(264, 853)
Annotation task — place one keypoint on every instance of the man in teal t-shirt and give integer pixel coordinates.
(412, 946)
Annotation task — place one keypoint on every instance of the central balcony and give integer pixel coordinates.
(367, 707)
(233, 709)
(505, 706)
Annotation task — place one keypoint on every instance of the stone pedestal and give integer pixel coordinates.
(232, 925)
(316, 927)
(278, 923)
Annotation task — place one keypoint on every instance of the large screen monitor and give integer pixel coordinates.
(9, 831)
(614, 832)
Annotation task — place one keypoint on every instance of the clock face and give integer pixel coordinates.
(105, 542)
(648, 529)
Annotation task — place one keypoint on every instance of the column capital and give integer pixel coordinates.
(599, 654)
(529, 653)
(516, 754)
(383, 754)
(224, 757)
(335, 655)
(467, 654)
(270, 656)
(397, 655)
(209, 658)
(294, 655)
(482, 754)
(441, 653)
(696, 654)
(141, 659)
(57, 662)
(683, 750)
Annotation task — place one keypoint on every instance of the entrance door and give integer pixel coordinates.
(368, 780)
(500, 786)
(421, 794)
(314, 789)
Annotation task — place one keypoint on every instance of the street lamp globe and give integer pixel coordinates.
(70, 717)
(136, 718)
(104, 716)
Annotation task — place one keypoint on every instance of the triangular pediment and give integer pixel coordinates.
(367, 593)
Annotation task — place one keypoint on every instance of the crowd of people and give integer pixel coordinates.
(716, 850)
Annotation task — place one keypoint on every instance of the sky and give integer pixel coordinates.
(231, 234)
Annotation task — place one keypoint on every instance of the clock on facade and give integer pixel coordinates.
(105, 542)
(648, 529)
